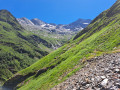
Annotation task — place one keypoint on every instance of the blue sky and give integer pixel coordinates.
(56, 11)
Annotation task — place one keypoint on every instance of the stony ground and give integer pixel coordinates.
(101, 73)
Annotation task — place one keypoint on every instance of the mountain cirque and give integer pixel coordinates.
(74, 26)
(100, 73)
(57, 35)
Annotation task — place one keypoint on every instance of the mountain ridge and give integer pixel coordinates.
(18, 48)
(38, 22)
(100, 37)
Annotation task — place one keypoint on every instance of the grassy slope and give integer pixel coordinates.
(102, 35)
(18, 48)
(69, 59)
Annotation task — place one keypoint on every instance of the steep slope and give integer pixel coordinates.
(25, 21)
(18, 48)
(101, 36)
(37, 22)
(100, 73)
(110, 16)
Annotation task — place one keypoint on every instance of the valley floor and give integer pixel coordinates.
(100, 73)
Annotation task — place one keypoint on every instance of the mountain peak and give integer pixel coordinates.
(24, 18)
(78, 24)
(83, 20)
(24, 21)
(37, 21)
(6, 16)
(4, 10)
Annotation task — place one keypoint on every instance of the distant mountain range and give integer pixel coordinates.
(55, 34)
(61, 28)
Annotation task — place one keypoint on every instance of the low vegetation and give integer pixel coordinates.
(18, 48)
(101, 36)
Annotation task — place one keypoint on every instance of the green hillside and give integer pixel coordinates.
(101, 36)
(18, 48)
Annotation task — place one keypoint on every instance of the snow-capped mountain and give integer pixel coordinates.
(51, 27)
(78, 25)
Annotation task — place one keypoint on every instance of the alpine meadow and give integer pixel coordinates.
(83, 55)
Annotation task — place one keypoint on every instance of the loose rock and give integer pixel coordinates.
(101, 73)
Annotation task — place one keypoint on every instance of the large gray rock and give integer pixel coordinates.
(104, 82)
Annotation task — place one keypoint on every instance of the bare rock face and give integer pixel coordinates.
(25, 21)
(79, 24)
(101, 73)
(72, 27)
(37, 21)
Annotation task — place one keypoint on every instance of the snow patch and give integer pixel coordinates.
(85, 23)
(43, 25)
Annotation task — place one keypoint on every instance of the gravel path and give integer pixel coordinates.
(101, 73)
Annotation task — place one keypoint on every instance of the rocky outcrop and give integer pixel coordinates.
(101, 73)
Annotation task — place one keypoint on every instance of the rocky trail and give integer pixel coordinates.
(100, 73)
